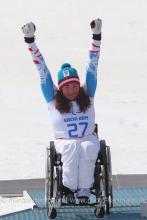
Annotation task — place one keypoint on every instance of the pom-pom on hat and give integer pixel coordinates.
(67, 75)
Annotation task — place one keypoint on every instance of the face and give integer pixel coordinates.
(70, 91)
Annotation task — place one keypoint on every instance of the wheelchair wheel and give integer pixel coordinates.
(52, 214)
(100, 191)
(110, 178)
(99, 213)
(106, 161)
(50, 183)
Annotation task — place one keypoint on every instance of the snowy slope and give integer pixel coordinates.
(63, 34)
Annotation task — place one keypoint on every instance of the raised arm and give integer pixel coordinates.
(93, 58)
(47, 85)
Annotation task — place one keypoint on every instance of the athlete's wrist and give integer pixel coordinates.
(96, 37)
(29, 39)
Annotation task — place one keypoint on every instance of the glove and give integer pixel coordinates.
(96, 26)
(28, 31)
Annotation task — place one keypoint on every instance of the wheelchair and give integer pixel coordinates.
(101, 190)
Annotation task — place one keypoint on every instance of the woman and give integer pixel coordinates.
(72, 113)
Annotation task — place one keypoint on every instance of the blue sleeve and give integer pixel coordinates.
(91, 68)
(47, 86)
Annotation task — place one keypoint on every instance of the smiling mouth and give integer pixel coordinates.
(72, 96)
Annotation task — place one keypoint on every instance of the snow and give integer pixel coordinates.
(63, 35)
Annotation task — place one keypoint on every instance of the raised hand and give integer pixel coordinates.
(96, 26)
(28, 30)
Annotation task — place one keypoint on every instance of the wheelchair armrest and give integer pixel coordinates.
(96, 129)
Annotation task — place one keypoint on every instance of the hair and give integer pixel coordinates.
(63, 105)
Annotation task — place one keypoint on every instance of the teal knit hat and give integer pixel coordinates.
(66, 75)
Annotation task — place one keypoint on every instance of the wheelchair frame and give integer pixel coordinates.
(102, 186)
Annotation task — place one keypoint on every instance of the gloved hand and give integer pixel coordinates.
(28, 31)
(96, 26)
